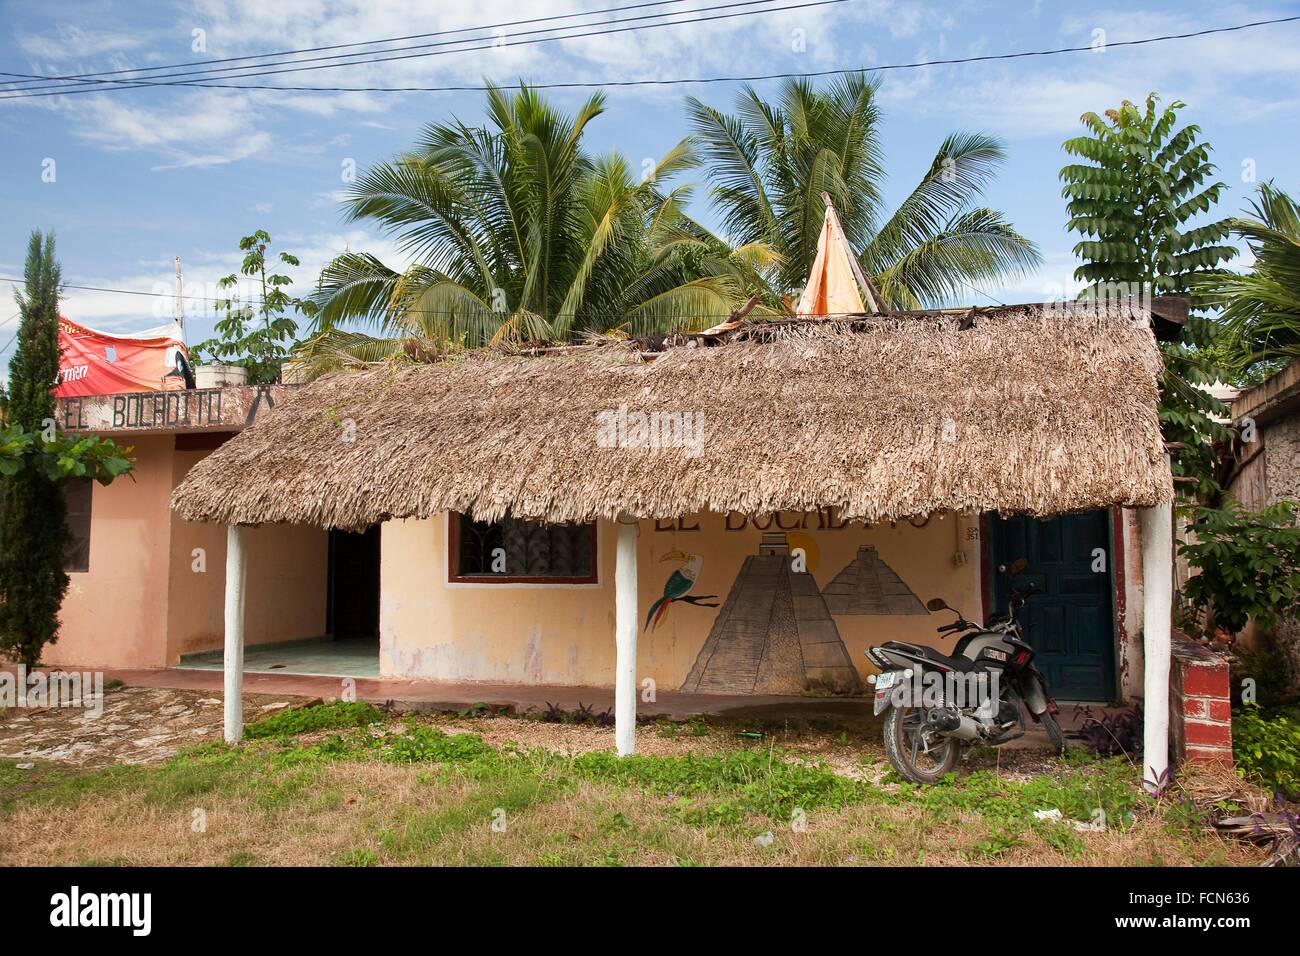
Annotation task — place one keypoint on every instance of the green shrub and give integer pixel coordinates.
(1267, 750)
(429, 745)
(1248, 564)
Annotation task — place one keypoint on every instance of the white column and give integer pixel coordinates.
(234, 657)
(1157, 582)
(625, 631)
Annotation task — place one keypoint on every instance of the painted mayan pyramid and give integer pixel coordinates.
(867, 585)
(773, 635)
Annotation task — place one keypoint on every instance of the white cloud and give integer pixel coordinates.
(1245, 76)
(74, 43)
(207, 128)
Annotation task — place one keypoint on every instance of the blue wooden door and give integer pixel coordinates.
(1070, 624)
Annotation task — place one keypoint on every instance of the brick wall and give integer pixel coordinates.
(1200, 708)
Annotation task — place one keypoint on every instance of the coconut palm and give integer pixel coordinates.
(770, 162)
(1261, 308)
(515, 232)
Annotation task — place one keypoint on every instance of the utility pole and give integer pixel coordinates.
(178, 308)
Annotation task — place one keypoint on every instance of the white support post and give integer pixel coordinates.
(625, 631)
(234, 656)
(1157, 582)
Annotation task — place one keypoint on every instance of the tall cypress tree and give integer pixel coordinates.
(33, 517)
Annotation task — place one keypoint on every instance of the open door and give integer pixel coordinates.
(353, 609)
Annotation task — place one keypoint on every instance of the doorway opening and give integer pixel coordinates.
(352, 610)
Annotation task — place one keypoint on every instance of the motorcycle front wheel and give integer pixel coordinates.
(1053, 731)
(908, 753)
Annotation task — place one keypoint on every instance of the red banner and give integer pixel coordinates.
(96, 363)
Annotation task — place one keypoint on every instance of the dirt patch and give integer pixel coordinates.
(145, 725)
(136, 725)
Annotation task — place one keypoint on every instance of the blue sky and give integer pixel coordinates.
(143, 175)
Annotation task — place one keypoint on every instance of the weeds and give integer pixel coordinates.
(300, 720)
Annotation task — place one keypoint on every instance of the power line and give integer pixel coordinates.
(294, 67)
(978, 291)
(752, 78)
(115, 85)
(161, 295)
(200, 298)
(345, 46)
(14, 338)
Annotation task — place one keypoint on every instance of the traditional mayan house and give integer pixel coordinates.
(739, 510)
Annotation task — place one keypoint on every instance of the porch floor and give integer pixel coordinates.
(316, 657)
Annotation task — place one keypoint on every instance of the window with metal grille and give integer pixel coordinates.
(516, 551)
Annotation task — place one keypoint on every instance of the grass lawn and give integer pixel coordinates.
(344, 784)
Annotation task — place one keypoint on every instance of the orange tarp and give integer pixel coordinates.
(832, 288)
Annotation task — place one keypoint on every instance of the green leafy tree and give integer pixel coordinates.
(769, 163)
(1144, 184)
(1247, 562)
(1261, 307)
(258, 336)
(517, 233)
(34, 459)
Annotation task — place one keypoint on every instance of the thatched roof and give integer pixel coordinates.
(1013, 409)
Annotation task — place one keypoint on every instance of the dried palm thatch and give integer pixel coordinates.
(1014, 409)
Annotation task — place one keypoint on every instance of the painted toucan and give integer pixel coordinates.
(678, 586)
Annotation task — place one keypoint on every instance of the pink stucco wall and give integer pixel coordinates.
(149, 598)
(115, 615)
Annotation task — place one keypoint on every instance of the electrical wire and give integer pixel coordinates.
(115, 85)
(345, 46)
(495, 43)
(680, 81)
(255, 302)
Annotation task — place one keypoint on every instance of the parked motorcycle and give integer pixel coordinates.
(978, 695)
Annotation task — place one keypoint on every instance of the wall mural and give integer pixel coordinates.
(677, 587)
(775, 633)
(867, 585)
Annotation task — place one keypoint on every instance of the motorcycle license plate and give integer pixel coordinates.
(887, 680)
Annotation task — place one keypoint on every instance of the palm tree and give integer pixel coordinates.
(769, 164)
(1261, 308)
(516, 233)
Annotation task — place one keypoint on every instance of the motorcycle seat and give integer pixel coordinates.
(935, 657)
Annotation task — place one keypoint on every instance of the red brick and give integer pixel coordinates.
(1206, 681)
(1215, 735)
(1209, 755)
(1220, 710)
(1195, 707)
